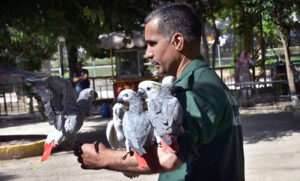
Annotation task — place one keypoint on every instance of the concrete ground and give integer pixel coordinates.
(271, 144)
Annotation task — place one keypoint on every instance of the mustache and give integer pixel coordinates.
(153, 62)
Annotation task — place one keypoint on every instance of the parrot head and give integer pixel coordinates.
(119, 110)
(169, 83)
(88, 94)
(125, 96)
(149, 89)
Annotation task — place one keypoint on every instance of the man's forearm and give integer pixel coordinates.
(157, 160)
(79, 79)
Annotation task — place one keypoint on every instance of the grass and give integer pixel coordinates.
(100, 72)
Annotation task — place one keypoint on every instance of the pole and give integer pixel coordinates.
(93, 59)
(219, 55)
(112, 62)
(61, 58)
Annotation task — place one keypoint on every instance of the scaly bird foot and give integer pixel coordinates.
(124, 157)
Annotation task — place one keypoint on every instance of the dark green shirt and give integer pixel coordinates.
(212, 143)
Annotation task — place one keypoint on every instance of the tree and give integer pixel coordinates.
(280, 12)
(79, 22)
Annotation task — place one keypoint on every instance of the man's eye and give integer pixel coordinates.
(151, 43)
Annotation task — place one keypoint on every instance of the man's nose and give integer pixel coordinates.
(148, 54)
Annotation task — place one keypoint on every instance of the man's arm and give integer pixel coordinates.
(97, 156)
(81, 78)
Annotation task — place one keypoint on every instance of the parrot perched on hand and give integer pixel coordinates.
(114, 129)
(165, 114)
(137, 128)
(115, 134)
(65, 115)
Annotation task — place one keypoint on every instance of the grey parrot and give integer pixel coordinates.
(67, 118)
(151, 89)
(115, 134)
(114, 129)
(137, 128)
(165, 114)
(55, 93)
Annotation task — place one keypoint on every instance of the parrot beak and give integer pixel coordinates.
(120, 100)
(142, 93)
(48, 147)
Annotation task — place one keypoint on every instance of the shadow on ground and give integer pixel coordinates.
(20, 139)
(19, 120)
(268, 127)
(5, 177)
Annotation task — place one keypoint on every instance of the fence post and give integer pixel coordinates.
(93, 79)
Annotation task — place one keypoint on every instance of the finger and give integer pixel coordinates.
(83, 166)
(79, 159)
(96, 144)
(77, 149)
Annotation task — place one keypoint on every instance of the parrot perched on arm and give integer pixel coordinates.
(115, 134)
(65, 113)
(137, 128)
(150, 89)
(165, 114)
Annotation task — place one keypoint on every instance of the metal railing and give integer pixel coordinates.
(16, 98)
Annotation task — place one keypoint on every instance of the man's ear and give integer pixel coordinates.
(178, 41)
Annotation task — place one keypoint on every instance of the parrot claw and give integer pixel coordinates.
(130, 153)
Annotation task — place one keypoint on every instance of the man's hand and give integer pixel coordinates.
(91, 156)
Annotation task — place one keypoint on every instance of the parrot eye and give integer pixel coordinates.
(126, 95)
(148, 88)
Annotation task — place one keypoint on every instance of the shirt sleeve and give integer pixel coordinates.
(86, 71)
(202, 104)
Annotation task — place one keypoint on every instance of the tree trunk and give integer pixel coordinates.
(234, 37)
(261, 42)
(289, 72)
(261, 46)
(202, 22)
(72, 59)
(216, 42)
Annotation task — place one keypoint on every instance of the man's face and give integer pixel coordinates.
(78, 67)
(160, 50)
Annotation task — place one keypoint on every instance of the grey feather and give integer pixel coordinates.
(114, 130)
(165, 111)
(62, 97)
(65, 113)
(137, 128)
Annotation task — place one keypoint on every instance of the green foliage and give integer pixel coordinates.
(24, 50)
(79, 22)
(271, 33)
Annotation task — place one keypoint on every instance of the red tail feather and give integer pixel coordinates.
(141, 160)
(48, 147)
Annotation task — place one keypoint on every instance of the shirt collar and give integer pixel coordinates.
(193, 65)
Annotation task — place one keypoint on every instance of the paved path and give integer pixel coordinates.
(271, 143)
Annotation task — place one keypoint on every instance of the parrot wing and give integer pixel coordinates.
(111, 135)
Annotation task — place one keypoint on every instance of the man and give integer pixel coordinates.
(81, 78)
(211, 146)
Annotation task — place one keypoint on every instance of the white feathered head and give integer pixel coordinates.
(149, 89)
